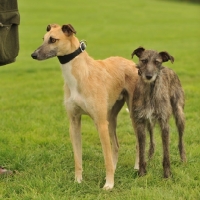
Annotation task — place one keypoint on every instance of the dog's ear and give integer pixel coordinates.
(166, 56)
(48, 28)
(138, 52)
(68, 29)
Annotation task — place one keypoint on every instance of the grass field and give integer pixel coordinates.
(34, 138)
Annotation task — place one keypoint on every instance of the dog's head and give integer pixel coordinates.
(58, 41)
(150, 63)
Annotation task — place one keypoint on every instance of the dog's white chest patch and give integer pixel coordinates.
(75, 99)
(69, 79)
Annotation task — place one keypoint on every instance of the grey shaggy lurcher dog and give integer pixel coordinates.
(158, 95)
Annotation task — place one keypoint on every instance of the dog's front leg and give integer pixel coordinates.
(136, 166)
(164, 125)
(75, 135)
(106, 146)
(141, 135)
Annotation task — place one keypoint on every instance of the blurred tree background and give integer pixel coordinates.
(187, 1)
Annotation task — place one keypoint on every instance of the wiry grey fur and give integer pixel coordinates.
(158, 94)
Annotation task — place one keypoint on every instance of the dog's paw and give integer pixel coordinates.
(136, 167)
(108, 186)
(142, 172)
(78, 179)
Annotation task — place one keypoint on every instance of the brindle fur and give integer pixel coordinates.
(157, 95)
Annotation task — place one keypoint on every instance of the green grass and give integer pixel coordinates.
(34, 138)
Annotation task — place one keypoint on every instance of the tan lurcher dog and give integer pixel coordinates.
(98, 88)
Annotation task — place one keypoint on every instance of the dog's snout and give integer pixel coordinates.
(34, 55)
(149, 77)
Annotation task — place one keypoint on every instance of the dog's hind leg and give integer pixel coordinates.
(75, 135)
(112, 119)
(129, 98)
(177, 103)
(180, 123)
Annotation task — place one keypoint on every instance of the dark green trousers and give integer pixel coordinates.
(9, 37)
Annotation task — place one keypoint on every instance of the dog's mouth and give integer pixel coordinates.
(149, 78)
(39, 56)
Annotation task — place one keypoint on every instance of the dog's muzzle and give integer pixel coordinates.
(34, 55)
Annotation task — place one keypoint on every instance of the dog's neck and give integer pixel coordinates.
(66, 58)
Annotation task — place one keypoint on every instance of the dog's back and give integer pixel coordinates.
(98, 78)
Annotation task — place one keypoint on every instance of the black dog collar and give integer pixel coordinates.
(66, 58)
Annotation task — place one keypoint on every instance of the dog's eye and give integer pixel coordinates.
(157, 62)
(52, 40)
(145, 61)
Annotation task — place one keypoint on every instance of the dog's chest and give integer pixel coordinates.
(69, 78)
(73, 98)
(150, 103)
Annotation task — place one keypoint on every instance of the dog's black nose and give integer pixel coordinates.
(34, 55)
(149, 77)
